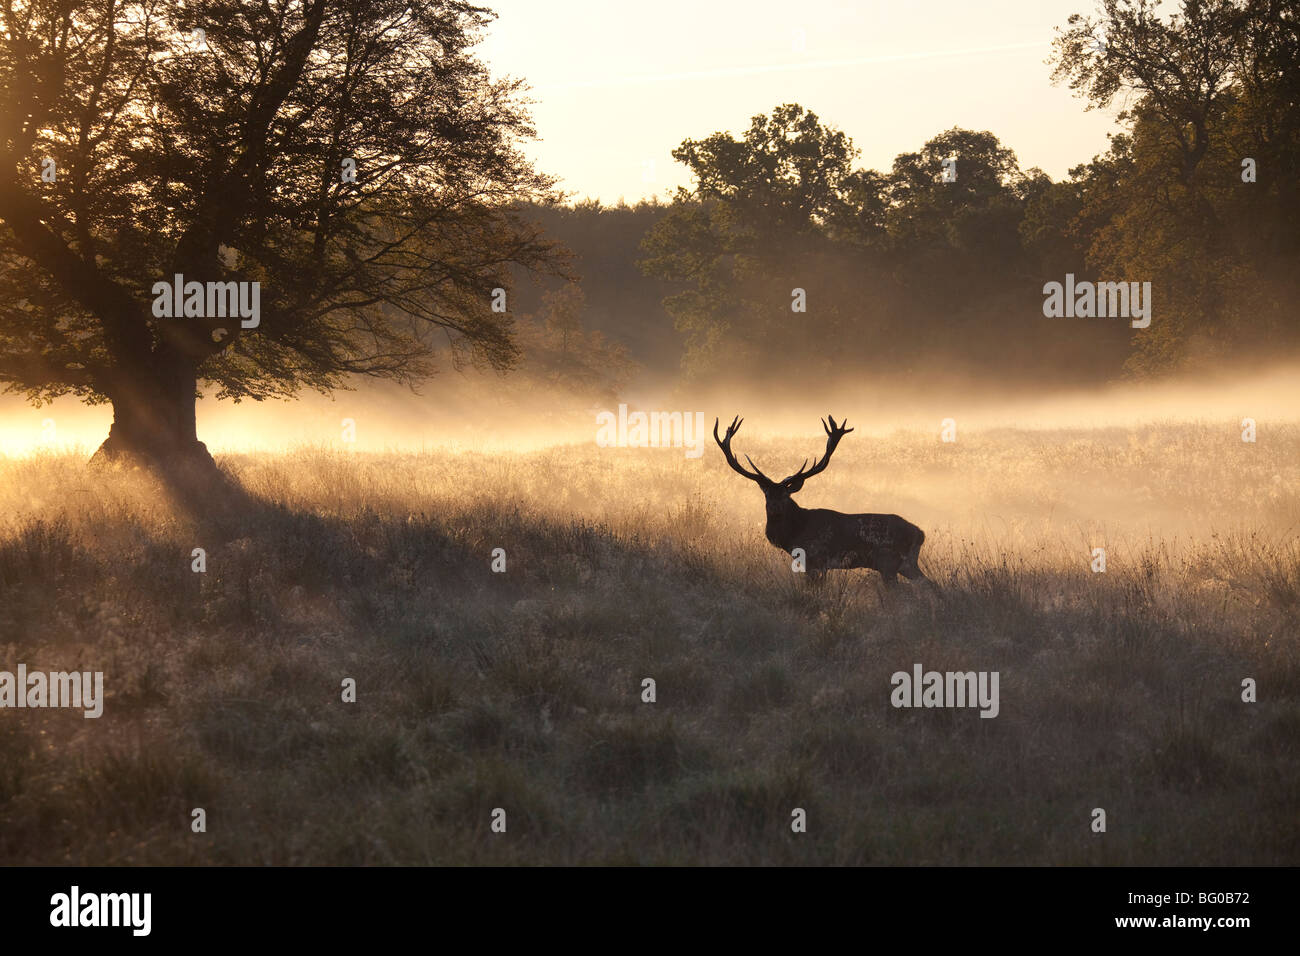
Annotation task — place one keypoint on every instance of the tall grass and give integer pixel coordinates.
(523, 690)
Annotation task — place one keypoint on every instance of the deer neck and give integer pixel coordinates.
(784, 522)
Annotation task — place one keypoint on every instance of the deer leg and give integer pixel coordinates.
(888, 564)
(913, 573)
(917, 575)
(911, 570)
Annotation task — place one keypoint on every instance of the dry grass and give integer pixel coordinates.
(523, 690)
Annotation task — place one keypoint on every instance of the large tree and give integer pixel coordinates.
(1207, 89)
(757, 225)
(353, 157)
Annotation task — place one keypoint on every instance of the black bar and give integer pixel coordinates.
(328, 906)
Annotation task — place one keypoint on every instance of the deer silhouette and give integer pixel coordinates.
(831, 539)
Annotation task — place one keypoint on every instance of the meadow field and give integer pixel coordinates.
(522, 689)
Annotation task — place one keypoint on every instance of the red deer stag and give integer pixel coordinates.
(830, 539)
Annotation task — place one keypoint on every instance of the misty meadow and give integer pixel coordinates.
(523, 690)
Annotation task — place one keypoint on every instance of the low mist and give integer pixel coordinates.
(475, 411)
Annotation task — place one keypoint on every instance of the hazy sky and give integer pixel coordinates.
(619, 84)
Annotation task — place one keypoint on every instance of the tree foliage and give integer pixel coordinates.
(1206, 90)
(220, 155)
(900, 269)
(1197, 195)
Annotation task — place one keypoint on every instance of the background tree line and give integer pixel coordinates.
(906, 273)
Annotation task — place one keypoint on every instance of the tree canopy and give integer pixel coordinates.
(353, 157)
(942, 259)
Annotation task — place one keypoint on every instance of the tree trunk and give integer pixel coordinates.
(153, 417)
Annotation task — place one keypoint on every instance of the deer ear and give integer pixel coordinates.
(792, 485)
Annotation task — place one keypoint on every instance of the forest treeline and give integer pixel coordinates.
(366, 183)
(938, 265)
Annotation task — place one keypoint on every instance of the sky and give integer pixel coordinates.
(618, 84)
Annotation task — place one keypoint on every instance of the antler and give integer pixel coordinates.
(834, 433)
(725, 445)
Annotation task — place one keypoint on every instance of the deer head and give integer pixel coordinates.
(778, 493)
